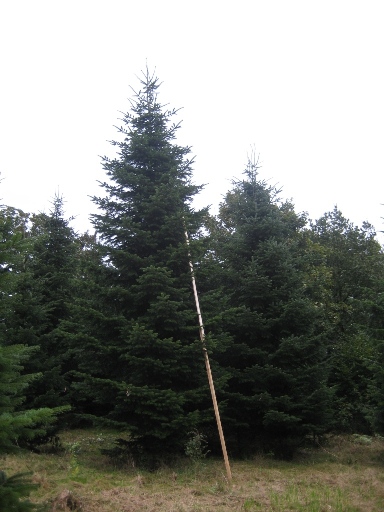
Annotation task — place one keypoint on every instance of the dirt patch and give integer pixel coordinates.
(66, 501)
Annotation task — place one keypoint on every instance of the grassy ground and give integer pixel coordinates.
(346, 475)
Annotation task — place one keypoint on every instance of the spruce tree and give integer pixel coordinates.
(16, 426)
(277, 392)
(146, 367)
(44, 290)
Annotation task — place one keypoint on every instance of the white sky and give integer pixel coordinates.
(302, 82)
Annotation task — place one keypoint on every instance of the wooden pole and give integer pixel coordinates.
(208, 367)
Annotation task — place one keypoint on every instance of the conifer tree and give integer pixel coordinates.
(351, 265)
(146, 368)
(44, 290)
(277, 392)
(16, 426)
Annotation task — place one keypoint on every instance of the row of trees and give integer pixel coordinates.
(106, 323)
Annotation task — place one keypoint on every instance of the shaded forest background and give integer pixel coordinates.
(101, 328)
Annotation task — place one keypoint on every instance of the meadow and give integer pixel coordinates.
(344, 474)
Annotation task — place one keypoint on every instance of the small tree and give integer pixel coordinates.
(16, 427)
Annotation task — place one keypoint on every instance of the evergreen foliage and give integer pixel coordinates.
(16, 427)
(14, 491)
(106, 323)
(350, 267)
(277, 393)
(142, 361)
(19, 426)
(44, 290)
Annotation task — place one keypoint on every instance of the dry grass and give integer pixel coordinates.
(344, 476)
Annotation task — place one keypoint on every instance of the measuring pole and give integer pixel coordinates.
(208, 366)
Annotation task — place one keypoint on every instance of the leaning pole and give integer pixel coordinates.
(208, 366)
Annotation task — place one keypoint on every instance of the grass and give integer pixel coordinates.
(346, 475)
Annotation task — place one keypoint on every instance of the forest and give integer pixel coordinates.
(101, 328)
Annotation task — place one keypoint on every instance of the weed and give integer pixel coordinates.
(219, 487)
(250, 504)
(74, 450)
(196, 446)
(360, 439)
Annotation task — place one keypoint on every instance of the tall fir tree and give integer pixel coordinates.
(145, 367)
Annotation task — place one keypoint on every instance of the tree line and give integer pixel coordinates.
(102, 328)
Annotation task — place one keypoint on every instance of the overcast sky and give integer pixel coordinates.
(300, 82)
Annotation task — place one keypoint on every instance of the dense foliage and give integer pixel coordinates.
(106, 323)
(138, 360)
(277, 392)
(18, 424)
